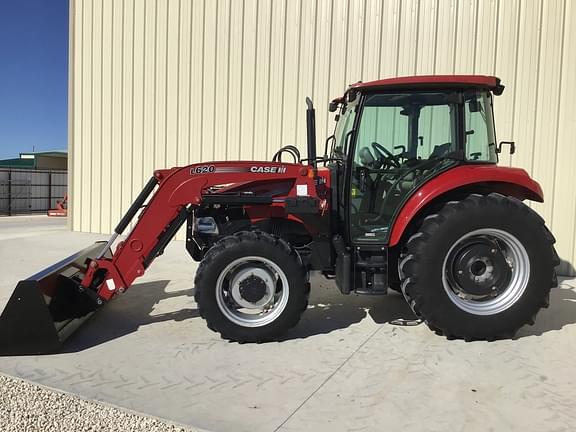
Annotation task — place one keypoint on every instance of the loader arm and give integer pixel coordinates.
(176, 192)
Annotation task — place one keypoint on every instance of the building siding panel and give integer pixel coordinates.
(158, 83)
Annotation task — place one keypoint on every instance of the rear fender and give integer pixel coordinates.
(480, 178)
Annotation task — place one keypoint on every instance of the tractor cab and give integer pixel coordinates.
(393, 136)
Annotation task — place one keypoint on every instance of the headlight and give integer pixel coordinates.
(205, 225)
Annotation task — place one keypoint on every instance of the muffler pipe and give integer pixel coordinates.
(311, 132)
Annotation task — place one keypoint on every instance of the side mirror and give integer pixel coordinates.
(512, 145)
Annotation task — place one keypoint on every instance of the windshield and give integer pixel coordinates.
(344, 125)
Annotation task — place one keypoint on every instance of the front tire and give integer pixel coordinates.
(480, 268)
(251, 287)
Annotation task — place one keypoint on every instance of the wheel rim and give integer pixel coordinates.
(486, 271)
(252, 291)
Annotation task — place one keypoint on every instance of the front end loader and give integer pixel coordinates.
(407, 196)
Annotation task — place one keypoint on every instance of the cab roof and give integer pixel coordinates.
(424, 82)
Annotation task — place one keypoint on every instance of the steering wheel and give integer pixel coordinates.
(386, 156)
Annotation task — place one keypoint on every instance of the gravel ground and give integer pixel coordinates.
(31, 408)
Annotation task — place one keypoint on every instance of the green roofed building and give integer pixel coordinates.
(51, 160)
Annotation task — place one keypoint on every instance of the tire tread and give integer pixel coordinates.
(246, 239)
(416, 246)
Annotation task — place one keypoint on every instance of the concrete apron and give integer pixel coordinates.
(344, 367)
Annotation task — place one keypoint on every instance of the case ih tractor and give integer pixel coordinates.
(408, 196)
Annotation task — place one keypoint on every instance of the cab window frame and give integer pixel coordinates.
(458, 154)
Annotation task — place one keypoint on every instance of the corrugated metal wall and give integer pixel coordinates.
(159, 83)
(30, 191)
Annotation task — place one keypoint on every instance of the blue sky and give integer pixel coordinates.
(33, 75)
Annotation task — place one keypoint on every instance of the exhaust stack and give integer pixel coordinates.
(311, 132)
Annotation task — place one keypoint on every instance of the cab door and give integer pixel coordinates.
(398, 142)
(339, 169)
(402, 139)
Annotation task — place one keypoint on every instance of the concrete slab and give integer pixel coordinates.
(344, 367)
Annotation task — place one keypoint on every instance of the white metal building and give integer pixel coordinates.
(160, 83)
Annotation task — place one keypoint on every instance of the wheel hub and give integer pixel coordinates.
(252, 291)
(252, 287)
(486, 271)
(478, 269)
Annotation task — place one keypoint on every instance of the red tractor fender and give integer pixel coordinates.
(507, 181)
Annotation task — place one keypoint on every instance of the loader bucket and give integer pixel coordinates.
(48, 307)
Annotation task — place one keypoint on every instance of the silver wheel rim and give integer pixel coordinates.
(517, 259)
(248, 312)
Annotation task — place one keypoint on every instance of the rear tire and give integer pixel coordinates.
(251, 287)
(480, 268)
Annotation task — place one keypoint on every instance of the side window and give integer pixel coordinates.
(435, 134)
(480, 140)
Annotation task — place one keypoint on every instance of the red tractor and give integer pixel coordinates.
(407, 196)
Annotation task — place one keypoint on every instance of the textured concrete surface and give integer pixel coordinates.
(344, 367)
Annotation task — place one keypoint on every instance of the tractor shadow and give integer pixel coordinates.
(329, 310)
(128, 312)
(562, 310)
(565, 268)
